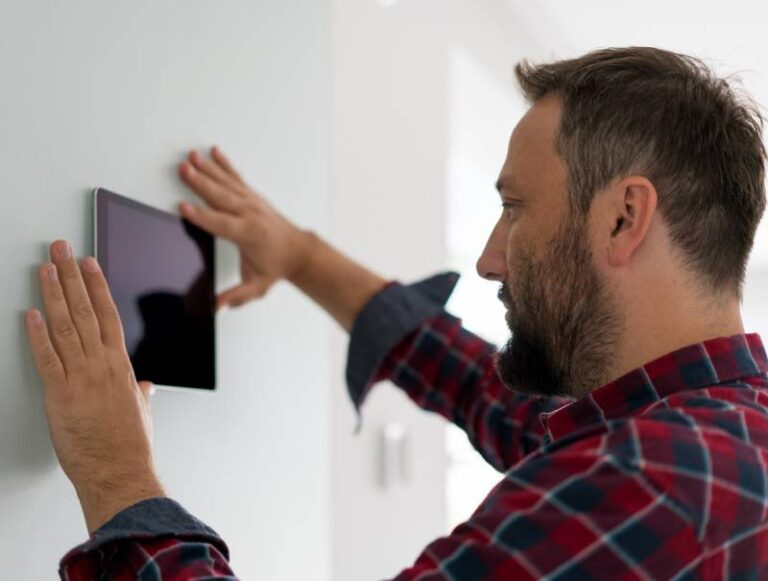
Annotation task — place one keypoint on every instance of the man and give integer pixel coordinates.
(628, 410)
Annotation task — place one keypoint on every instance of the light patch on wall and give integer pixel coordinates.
(483, 108)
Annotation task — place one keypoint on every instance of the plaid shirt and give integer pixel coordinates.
(659, 474)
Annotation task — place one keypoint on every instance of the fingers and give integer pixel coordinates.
(213, 221)
(82, 321)
(46, 359)
(78, 303)
(216, 172)
(63, 332)
(108, 316)
(224, 162)
(218, 195)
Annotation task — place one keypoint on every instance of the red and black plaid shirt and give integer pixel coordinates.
(660, 474)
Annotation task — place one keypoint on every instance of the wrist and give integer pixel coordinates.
(306, 244)
(102, 502)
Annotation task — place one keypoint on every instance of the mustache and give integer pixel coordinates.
(503, 295)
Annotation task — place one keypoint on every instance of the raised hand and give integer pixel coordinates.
(98, 414)
(271, 247)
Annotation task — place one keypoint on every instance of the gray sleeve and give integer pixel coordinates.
(386, 319)
(162, 517)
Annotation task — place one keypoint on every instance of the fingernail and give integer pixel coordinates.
(90, 264)
(152, 390)
(35, 317)
(52, 275)
(64, 250)
(187, 208)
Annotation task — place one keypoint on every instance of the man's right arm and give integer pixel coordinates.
(403, 334)
(397, 332)
(341, 286)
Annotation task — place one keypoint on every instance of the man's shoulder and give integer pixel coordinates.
(707, 449)
(691, 438)
(739, 410)
(704, 452)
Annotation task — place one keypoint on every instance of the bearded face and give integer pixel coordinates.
(564, 323)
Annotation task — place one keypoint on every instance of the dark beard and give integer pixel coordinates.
(564, 323)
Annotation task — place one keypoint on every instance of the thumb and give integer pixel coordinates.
(242, 293)
(147, 389)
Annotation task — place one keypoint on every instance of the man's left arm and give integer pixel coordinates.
(100, 425)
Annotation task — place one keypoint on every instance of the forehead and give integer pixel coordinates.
(532, 165)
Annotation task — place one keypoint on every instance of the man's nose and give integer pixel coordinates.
(492, 264)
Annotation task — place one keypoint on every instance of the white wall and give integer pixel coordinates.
(112, 94)
(397, 129)
(387, 212)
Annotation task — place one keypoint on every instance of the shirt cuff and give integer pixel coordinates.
(386, 319)
(149, 519)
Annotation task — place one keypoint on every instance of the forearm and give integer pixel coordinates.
(339, 285)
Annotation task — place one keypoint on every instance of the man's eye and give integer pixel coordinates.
(508, 205)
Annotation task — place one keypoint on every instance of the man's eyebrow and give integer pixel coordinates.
(506, 184)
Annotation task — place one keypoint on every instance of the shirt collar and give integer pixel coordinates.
(702, 364)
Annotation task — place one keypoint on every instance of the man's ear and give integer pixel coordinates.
(632, 206)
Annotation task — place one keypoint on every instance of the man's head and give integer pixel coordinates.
(636, 184)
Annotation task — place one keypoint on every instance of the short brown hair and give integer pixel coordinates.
(666, 116)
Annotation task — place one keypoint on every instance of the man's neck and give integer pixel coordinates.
(653, 338)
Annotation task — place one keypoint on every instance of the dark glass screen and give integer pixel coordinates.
(160, 270)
